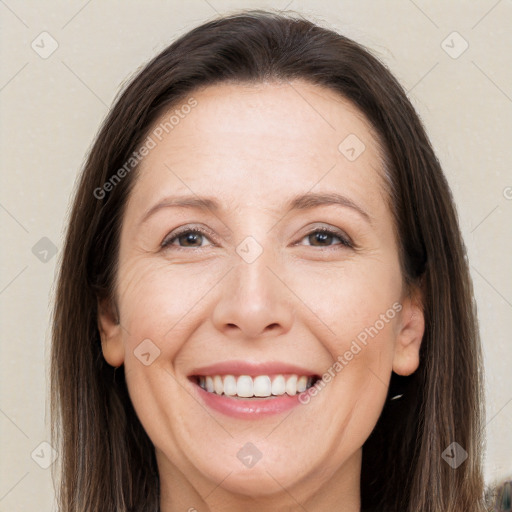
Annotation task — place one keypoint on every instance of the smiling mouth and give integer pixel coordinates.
(258, 387)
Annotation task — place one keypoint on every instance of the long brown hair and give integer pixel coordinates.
(107, 461)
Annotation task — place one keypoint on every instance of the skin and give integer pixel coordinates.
(303, 300)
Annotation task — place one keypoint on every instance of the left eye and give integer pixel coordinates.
(326, 235)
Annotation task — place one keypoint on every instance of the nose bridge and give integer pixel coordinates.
(254, 299)
(252, 270)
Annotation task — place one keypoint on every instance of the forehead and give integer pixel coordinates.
(260, 144)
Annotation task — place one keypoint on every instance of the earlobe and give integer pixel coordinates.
(110, 332)
(411, 329)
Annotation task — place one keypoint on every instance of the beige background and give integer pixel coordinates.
(52, 107)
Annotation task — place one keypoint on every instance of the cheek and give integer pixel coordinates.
(359, 310)
(353, 388)
(159, 301)
(354, 301)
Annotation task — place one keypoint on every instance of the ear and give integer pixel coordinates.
(411, 329)
(110, 331)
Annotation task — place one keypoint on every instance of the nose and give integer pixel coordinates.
(254, 301)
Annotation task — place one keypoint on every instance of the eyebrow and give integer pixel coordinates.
(300, 202)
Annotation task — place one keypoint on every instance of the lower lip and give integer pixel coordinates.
(249, 408)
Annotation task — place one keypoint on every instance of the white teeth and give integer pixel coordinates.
(244, 386)
(229, 385)
(291, 385)
(302, 383)
(217, 384)
(278, 385)
(260, 386)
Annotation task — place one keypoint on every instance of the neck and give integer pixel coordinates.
(184, 489)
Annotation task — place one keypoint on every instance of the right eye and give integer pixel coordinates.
(185, 236)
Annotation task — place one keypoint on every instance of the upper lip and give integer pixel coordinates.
(253, 369)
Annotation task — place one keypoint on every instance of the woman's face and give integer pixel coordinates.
(260, 292)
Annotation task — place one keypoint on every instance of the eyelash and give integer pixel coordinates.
(345, 241)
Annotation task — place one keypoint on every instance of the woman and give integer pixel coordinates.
(315, 347)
